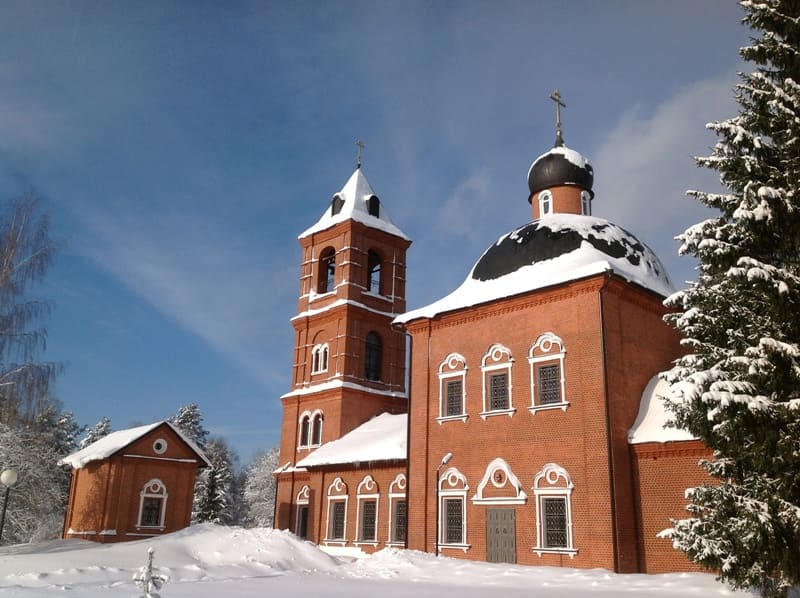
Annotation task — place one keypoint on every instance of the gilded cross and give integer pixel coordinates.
(556, 97)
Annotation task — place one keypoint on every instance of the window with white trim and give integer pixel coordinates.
(398, 510)
(552, 488)
(548, 381)
(337, 513)
(152, 504)
(452, 388)
(374, 262)
(316, 428)
(301, 521)
(545, 203)
(497, 387)
(452, 525)
(304, 432)
(319, 358)
(367, 515)
(586, 203)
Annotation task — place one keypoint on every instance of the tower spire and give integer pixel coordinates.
(556, 97)
(360, 145)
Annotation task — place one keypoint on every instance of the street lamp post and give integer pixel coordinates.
(8, 478)
(445, 461)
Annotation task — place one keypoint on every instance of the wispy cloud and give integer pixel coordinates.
(644, 166)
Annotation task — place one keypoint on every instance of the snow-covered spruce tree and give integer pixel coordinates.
(259, 489)
(213, 490)
(189, 420)
(741, 326)
(96, 432)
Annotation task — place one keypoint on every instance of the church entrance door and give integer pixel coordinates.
(501, 535)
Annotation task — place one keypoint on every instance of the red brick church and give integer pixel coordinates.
(531, 431)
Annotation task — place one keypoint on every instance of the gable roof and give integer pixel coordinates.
(116, 441)
(383, 438)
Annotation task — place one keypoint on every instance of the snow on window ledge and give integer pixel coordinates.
(463, 547)
(540, 550)
(395, 544)
(534, 408)
(316, 296)
(450, 418)
(508, 412)
(373, 543)
(334, 542)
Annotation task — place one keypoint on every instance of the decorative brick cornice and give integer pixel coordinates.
(682, 448)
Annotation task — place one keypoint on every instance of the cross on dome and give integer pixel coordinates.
(556, 97)
(360, 145)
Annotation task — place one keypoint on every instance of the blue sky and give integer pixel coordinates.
(181, 147)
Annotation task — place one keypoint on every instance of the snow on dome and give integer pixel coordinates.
(650, 424)
(353, 203)
(115, 441)
(554, 249)
(560, 166)
(383, 438)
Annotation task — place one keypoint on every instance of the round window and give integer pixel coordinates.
(160, 446)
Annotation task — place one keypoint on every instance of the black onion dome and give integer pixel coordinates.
(560, 166)
(550, 238)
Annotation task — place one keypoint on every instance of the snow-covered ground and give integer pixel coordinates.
(206, 560)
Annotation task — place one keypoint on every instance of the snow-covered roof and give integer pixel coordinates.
(115, 441)
(650, 424)
(554, 249)
(355, 195)
(383, 438)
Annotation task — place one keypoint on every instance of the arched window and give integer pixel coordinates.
(336, 204)
(301, 523)
(398, 510)
(552, 488)
(316, 428)
(326, 274)
(546, 358)
(368, 495)
(319, 358)
(586, 203)
(372, 356)
(496, 370)
(452, 388)
(337, 513)
(152, 504)
(452, 525)
(545, 203)
(305, 429)
(373, 272)
(374, 206)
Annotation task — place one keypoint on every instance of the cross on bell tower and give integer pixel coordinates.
(556, 97)
(361, 146)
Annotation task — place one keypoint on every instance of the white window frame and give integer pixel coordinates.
(452, 485)
(397, 493)
(316, 414)
(367, 491)
(553, 481)
(497, 359)
(300, 501)
(337, 492)
(453, 367)
(319, 358)
(506, 481)
(586, 203)
(547, 348)
(154, 488)
(545, 203)
(304, 422)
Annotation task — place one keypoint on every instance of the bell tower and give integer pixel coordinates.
(349, 362)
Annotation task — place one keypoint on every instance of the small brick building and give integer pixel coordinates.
(132, 484)
(533, 431)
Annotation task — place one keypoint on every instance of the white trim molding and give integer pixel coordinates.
(367, 492)
(497, 359)
(557, 485)
(337, 493)
(154, 489)
(548, 350)
(452, 485)
(499, 474)
(454, 367)
(397, 493)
